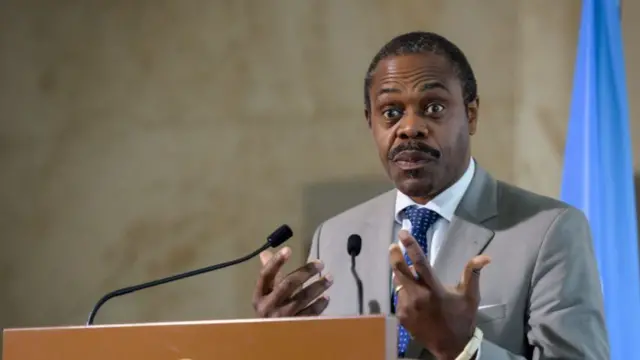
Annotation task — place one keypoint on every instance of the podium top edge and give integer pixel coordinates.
(205, 322)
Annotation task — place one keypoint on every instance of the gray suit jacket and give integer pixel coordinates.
(541, 294)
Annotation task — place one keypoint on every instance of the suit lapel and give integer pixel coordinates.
(377, 236)
(464, 240)
(467, 236)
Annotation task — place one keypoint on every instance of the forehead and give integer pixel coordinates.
(411, 70)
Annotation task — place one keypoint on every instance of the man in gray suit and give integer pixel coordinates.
(425, 242)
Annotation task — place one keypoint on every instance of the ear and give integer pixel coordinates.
(472, 115)
(367, 116)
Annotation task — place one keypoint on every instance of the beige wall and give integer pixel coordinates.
(143, 138)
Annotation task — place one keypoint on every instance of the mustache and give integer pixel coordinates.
(413, 146)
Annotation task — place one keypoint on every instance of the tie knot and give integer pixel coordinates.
(421, 217)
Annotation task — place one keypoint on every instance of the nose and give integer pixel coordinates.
(411, 127)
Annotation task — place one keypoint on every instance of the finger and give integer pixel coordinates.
(470, 283)
(284, 289)
(412, 277)
(271, 264)
(316, 307)
(396, 281)
(402, 295)
(304, 297)
(265, 256)
(413, 273)
(419, 260)
(399, 285)
(399, 265)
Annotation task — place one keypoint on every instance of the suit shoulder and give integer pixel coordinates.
(362, 211)
(521, 202)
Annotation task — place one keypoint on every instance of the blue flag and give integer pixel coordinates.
(598, 170)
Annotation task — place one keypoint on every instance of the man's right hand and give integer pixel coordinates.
(276, 295)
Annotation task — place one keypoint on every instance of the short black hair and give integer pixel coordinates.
(419, 42)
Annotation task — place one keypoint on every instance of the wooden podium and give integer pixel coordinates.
(316, 338)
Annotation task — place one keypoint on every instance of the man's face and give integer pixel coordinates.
(420, 123)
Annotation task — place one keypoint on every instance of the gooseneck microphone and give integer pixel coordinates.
(354, 245)
(277, 238)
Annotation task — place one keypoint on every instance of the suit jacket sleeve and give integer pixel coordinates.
(566, 316)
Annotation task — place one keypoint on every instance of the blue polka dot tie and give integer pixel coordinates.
(421, 220)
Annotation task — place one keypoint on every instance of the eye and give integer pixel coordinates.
(434, 108)
(392, 113)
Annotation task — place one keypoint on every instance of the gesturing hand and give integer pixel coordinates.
(441, 318)
(277, 295)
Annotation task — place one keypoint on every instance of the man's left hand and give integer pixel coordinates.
(441, 318)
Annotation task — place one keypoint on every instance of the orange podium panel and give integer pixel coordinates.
(310, 338)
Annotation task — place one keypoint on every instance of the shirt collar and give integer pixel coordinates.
(446, 202)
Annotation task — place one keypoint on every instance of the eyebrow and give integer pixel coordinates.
(428, 86)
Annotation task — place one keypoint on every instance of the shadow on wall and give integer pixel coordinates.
(324, 200)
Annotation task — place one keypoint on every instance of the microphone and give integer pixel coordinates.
(374, 307)
(277, 238)
(354, 245)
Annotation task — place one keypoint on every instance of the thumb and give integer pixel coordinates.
(470, 283)
(265, 256)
